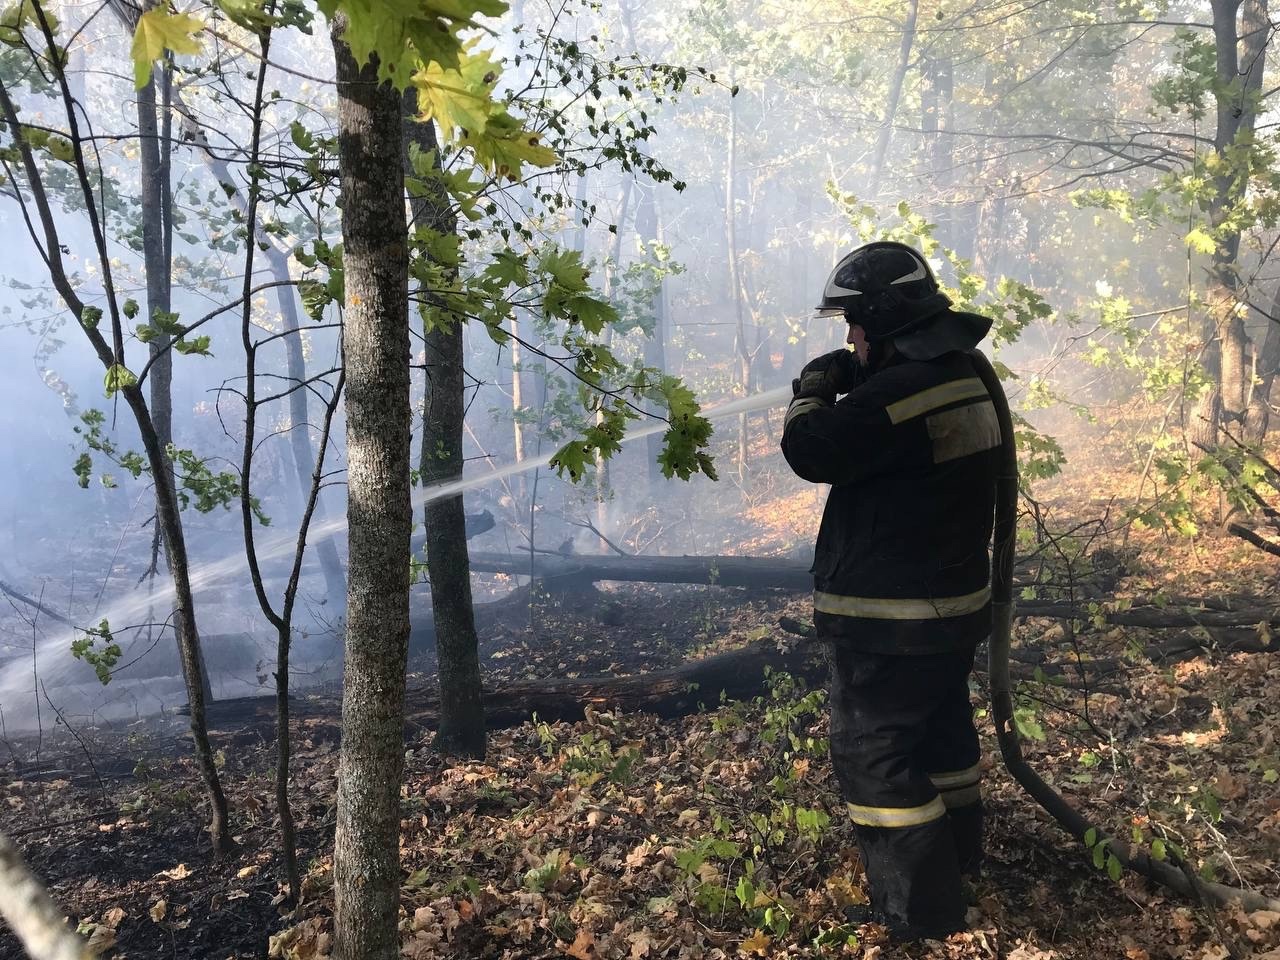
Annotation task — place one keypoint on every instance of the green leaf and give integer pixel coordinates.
(90, 317)
(1157, 849)
(592, 313)
(118, 377)
(130, 308)
(573, 457)
(60, 148)
(302, 138)
(159, 30)
(198, 346)
(1113, 868)
(83, 469)
(1091, 837)
(315, 297)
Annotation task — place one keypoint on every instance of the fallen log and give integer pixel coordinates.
(573, 571)
(723, 571)
(1151, 616)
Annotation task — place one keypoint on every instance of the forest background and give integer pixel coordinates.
(629, 202)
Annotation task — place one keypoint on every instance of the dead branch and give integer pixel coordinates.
(33, 603)
(1244, 533)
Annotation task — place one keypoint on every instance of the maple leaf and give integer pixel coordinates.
(757, 943)
(159, 30)
(458, 98)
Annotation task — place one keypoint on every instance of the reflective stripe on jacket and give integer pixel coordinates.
(901, 562)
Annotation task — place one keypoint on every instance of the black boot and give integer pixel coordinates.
(914, 878)
(966, 830)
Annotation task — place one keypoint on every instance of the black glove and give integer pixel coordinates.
(828, 375)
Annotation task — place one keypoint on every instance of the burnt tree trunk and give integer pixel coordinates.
(366, 856)
(461, 731)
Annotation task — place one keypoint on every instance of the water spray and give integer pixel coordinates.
(130, 610)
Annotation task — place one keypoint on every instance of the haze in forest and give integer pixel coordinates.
(1042, 178)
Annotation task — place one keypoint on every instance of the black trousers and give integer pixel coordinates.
(905, 752)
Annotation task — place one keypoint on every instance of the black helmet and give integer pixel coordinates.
(889, 290)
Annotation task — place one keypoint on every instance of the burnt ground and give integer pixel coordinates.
(627, 836)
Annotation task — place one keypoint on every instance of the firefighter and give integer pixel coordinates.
(901, 574)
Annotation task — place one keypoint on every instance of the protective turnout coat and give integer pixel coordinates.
(901, 563)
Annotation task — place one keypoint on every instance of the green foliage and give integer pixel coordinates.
(118, 377)
(1194, 77)
(21, 16)
(200, 487)
(543, 877)
(102, 658)
(1027, 723)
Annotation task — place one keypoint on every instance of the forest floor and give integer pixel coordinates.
(713, 835)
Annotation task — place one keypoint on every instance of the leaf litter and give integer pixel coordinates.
(711, 836)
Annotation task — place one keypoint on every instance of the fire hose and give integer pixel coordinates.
(1175, 873)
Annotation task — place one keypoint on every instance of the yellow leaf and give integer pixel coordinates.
(180, 872)
(757, 943)
(1200, 241)
(461, 98)
(159, 30)
(246, 872)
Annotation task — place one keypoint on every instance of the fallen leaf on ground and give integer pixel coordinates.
(583, 946)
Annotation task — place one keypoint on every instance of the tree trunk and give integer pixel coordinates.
(167, 516)
(604, 491)
(741, 350)
(937, 120)
(649, 230)
(517, 398)
(169, 519)
(156, 201)
(303, 456)
(1240, 53)
(461, 732)
(366, 856)
(894, 98)
(1266, 366)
